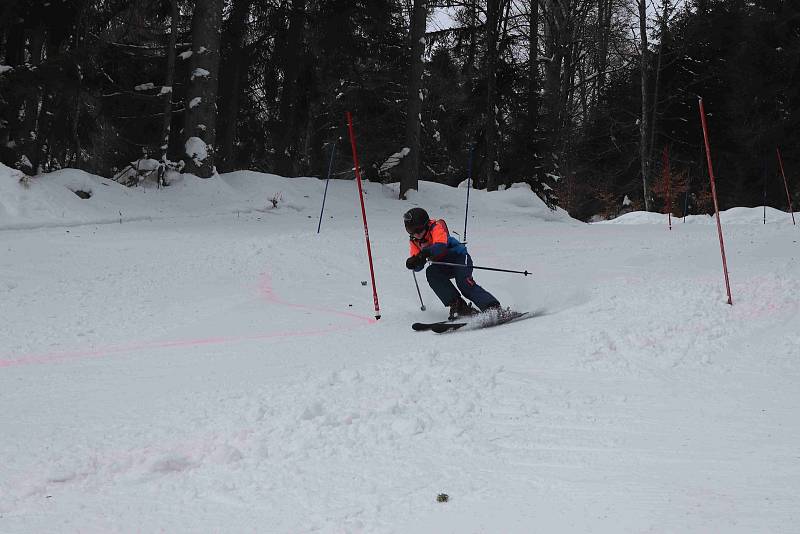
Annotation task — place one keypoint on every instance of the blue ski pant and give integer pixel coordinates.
(439, 277)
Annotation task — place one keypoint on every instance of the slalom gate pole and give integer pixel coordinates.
(327, 180)
(363, 214)
(667, 179)
(685, 205)
(421, 304)
(785, 184)
(469, 184)
(686, 196)
(526, 273)
(714, 194)
(764, 201)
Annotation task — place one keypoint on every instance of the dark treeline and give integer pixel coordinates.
(577, 98)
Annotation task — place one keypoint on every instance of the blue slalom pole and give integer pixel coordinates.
(469, 183)
(327, 181)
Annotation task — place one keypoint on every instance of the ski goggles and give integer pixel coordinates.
(418, 231)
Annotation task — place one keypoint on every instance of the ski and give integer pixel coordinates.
(420, 327)
(486, 320)
(441, 328)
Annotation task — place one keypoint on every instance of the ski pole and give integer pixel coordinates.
(421, 304)
(526, 273)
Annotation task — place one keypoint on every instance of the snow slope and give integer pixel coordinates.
(194, 360)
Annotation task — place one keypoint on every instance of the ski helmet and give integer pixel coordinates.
(415, 219)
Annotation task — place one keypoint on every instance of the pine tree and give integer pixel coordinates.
(202, 86)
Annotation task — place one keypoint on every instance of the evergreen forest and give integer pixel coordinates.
(593, 103)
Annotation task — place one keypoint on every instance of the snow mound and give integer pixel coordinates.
(731, 216)
(52, 199)
(64, 197)
(442, 201)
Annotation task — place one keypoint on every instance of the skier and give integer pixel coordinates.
(430, 240)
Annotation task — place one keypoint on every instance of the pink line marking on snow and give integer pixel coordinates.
(265, 290)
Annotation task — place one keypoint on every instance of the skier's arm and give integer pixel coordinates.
(416, 260)
(439, 237)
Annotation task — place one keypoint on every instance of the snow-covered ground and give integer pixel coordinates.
(194, 360)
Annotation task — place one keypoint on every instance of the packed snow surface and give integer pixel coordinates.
(191, 359)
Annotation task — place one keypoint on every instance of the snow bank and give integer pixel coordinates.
(731, 216)
(52, 199)
(66, 197)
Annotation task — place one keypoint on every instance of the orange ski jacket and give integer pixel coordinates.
(438, 242)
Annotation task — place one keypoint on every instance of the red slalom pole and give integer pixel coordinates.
(714, 195)
(667, 180)
(363, 214)
(785, 184)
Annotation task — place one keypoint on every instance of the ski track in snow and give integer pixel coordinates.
(348, 416)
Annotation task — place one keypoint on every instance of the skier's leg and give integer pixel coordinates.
(439, 279)
(471, 290)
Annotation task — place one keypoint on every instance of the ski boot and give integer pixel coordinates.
(459, 308)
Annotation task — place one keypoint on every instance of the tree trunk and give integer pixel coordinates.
(45, 145)
(664, 35)
(567, 79)
(469, 67)
(233, 70)
(601, 57)
(644, 151)
(538, 178)
(533, 67)
(14, 129)
(201, 90)
(492, 15)
(555, 51)
(316, 135)
(15, 44)
(169, 79)
(76, 117)
(533, 90)
(411, 162)
(310, 159)
(34, 100)
(286, 132)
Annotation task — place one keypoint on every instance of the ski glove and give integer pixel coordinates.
(417, 261)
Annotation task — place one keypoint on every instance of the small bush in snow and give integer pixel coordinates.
(147, 169)
(275, 199)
